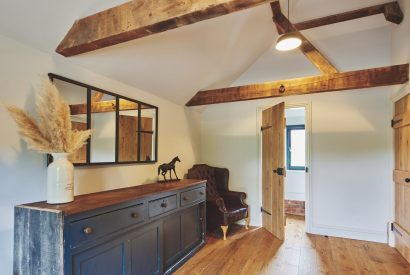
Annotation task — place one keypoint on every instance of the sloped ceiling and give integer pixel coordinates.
(178, 63)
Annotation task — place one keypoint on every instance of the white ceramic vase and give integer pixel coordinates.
(60, 179)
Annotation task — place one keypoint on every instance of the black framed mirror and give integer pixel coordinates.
(126, 130)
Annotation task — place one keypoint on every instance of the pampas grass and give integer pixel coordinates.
(52, 133)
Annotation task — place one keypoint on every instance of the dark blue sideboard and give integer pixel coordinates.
(146, 229)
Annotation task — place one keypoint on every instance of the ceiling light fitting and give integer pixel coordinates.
(289, 40)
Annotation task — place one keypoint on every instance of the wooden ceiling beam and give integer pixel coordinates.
(383, 76)
(282, 24)
(104, 107)
(139, 18)
(97, 96)
(392, 12)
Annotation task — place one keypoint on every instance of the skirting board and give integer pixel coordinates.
(350, 233)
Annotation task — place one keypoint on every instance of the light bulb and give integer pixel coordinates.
(288, 41)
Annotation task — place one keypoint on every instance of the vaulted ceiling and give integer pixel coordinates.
(209, 54)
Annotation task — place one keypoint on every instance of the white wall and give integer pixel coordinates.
(351, 144)
(23, 172)
(350, 165)
(295, 180)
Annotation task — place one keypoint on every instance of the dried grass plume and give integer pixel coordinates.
(52, 133)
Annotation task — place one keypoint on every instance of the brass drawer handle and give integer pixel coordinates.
(163, 205)
(88, 230)
(134, 215)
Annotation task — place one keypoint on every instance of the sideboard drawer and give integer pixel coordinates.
(192, 196)
(162, 205)
(92, 228)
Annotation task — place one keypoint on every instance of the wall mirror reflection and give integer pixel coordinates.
(125, 129)
(147, 132)
(128, 131)
(76, 97)
(103, 116)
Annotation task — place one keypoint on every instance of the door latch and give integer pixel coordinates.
(264, 211)
(394, 122)
(279, 171)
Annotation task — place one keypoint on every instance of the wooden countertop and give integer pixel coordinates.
(87, 202)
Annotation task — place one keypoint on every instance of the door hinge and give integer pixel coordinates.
(263, 128)
(279, 171)
(264, 211)
(395, 230)
(306, 169)
(394, 122)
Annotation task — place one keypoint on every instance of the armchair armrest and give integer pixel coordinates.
(219, 203)
(233, 197)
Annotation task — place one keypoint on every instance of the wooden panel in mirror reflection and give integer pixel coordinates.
(80, 156)
(128, 138)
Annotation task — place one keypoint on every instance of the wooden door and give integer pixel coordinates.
(128, 138)
(273, 170)
(146, 139)
(401, 175)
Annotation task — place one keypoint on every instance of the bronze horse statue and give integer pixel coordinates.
(165, 167)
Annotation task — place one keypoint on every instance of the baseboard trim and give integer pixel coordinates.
(350, 233)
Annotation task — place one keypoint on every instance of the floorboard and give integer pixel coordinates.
(256, 251)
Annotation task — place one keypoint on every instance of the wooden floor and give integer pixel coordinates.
(257, 252)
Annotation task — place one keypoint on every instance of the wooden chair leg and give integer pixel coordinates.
(224, 230)
(247, 223)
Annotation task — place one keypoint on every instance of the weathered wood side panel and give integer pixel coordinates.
(38, 239)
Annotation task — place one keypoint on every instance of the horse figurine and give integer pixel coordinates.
(165, 167)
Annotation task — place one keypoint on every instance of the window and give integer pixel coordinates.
(295, 147)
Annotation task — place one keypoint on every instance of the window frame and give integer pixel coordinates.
(289, 129)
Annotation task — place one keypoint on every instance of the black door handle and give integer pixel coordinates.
(279, 171)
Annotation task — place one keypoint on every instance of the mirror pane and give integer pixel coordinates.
(148, 133)
(76, 97)
(128, 131)
(103, 107)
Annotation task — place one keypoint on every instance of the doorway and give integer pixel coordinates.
(296, 168)
(293, 156)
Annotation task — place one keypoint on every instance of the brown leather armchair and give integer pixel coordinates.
(223, 207)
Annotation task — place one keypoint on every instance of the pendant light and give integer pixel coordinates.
(289, 40)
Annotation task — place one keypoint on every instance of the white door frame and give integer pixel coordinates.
(308, 131)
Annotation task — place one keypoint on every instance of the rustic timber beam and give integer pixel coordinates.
(139, 18)
(103, 107)
(391, 11)
(282, 23)
(383, 76)
(97, 96)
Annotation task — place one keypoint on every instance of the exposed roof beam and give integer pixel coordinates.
(97, 96)
(103, 107)
(139, 18)
(383, 76)
(307, 48)
(391, 11)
